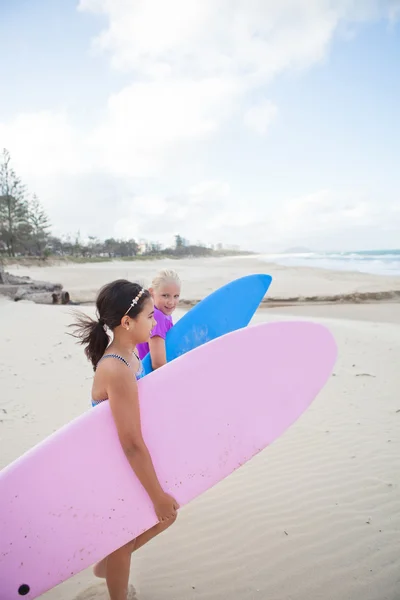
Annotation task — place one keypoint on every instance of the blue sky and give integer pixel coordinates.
(260, 126)
(50, 62)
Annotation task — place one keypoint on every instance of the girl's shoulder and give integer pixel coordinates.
(158, 314)
(114, 362)
(164, 323)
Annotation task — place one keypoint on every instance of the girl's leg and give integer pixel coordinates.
(148, 535)
(101, 568)
(117, 569)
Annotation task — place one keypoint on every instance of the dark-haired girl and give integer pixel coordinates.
(127, 310)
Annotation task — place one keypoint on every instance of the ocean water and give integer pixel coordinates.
(377, 262)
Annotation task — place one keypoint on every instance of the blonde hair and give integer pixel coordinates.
(164, 276)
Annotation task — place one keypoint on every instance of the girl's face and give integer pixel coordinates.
(166, 297)
(144, 323)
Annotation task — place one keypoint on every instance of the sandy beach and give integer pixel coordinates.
(203, 275)
(314, 517)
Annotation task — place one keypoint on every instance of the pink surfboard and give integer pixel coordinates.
(73, 499)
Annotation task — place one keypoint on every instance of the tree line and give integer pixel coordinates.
(25, 229)
(24, 225)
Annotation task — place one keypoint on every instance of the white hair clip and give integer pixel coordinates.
(135, 300)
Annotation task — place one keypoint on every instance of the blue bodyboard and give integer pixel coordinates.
(229, 308)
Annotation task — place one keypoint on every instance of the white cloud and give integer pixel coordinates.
(249, 37)
(191, 214)
(147, 122)
(322, 218)
(137, 135)
(45, 143)
(259, 117)
(208, 191)
(210, 213)
(322, 211)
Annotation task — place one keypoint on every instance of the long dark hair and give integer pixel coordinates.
(112, 303)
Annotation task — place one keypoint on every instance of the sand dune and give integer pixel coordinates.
(314, 517)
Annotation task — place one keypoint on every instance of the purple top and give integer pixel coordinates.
(164, 324)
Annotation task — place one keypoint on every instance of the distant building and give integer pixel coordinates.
(142, 246)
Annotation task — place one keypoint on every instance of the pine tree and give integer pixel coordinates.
(39, 226)
(13, 207)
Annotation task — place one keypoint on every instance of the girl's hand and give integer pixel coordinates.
(165, 507)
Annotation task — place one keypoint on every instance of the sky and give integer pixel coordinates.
(256, 123)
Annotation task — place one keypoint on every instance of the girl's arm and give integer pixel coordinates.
(123, 398)
(158, 354)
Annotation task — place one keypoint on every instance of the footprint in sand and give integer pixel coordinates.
(99, 592)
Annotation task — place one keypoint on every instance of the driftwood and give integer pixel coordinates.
(24, 292)
(25, 288)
